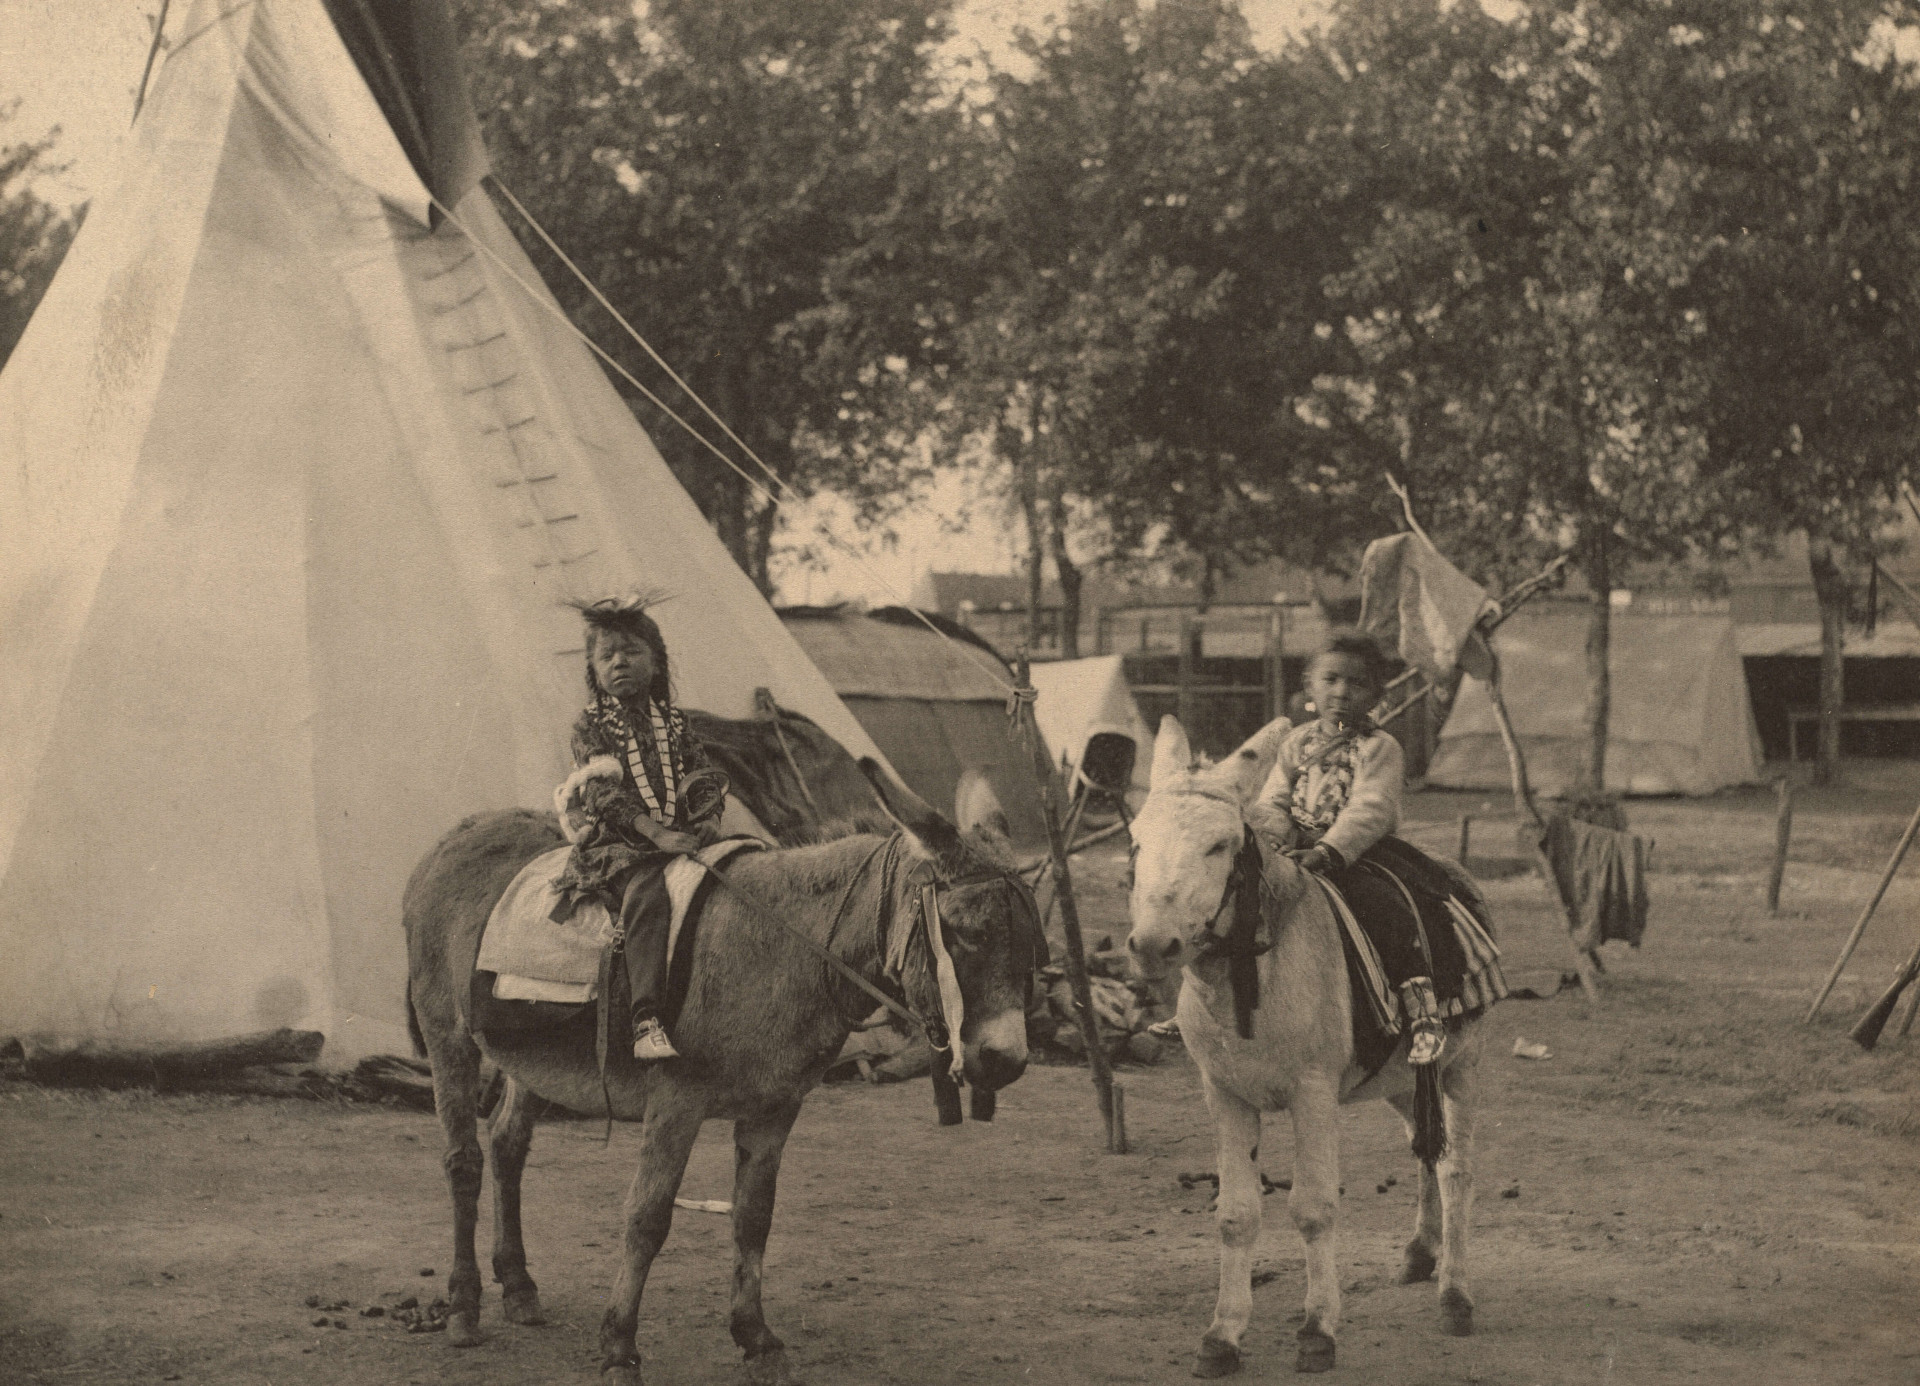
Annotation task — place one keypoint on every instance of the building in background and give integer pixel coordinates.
(1225, 667)
(1776, 620)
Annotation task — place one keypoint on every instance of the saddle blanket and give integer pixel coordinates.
(1470, 977)
(535, 959)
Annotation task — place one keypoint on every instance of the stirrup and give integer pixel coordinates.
(650, 1042)
(1426, 1034)
(1165, 1029)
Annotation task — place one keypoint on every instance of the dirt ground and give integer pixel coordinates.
(1693, 1188)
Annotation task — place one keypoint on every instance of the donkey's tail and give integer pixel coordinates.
(413, 1024)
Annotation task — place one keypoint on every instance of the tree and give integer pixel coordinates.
(1816, 387)
(1142, 311)
(34, 235)
(759, 186)
(1528, 318)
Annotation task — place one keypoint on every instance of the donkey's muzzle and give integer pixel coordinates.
(994, 1069)
(998, 1053)
(1154, 956)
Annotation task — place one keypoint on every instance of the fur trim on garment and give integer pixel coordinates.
(599, 768)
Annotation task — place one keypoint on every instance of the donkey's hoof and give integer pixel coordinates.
(627, 1374)
(463, 1330)
(1316, 1352)
(1456, 1313)
(523, 1306)
(1418, 1265)
(1216, 1358)
(768, 1369)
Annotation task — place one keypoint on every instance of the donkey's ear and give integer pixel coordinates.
(975, 805)
(1171, 754)
(1246, 770)
(919, 819)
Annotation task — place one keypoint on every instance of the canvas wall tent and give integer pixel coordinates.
(1086, 702)
(936, 705)
(1679, 719)
(295, 472)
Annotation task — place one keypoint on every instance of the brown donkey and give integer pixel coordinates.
(764, 1017)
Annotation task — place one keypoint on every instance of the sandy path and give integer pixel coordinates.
(1705, 1193)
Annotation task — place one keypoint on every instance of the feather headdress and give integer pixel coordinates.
(626, 614)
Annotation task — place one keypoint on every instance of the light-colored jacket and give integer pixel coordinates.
(1372, 809)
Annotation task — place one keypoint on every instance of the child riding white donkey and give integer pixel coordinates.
(1251, 871)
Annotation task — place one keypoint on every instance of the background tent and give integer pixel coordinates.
(936, 705)
(1087, 702)
(296, 470)
(1679, 721)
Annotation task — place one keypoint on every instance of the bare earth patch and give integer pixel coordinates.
(1703, 1191)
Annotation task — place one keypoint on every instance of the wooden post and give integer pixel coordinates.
(1853, 939)
(1466, 829)
(1185, 701)
(1026, 729)
(1276, 663)
(1782, 833)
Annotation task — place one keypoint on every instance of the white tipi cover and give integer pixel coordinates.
(1084, 698)
(291, 492)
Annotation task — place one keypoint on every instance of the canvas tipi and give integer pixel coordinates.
(296, 471)
(935, 703)
(1082, 702)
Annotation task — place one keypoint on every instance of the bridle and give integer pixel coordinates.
(1239, 897)
(926, 928)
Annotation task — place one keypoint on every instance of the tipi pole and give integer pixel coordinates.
(1523, 799)
(153, 51)
(1853, 939)
(1027, 730)
(1913, 1004)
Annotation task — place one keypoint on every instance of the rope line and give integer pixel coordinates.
(546, 304)
(553, 309)
(741, 443)
(634, 333)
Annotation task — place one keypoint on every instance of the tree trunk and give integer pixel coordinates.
(1599, 675)
(1830, 587)
(730, 519)
(760, 542)
(1071, 579)
(731, 513)
(1027, 469)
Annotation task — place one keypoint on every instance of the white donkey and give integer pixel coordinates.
(1300, 1059)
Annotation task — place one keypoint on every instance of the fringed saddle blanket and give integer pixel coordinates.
(534, 958)
(1466, 963)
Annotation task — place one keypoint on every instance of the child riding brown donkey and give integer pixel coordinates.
(1338, 780)
(647, 792)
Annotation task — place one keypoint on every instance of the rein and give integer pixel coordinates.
(896, 945)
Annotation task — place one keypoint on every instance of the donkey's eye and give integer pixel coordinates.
(1225, 844)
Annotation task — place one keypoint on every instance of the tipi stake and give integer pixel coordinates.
(1782, 835)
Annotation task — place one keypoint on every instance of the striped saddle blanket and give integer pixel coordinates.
(1466, 964)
